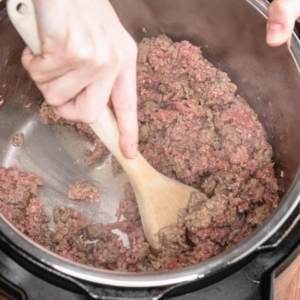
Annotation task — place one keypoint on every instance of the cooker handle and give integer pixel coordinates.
(257, 284)
(113, 293)
(271, 246)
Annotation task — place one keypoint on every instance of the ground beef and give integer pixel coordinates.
(18, 139)
(18, 202)
(98, 230)
(83, 191)
(194, 128)
(128, 207)
(116, 167)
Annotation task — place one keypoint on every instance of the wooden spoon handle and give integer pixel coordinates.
(22, 15)
(106, 128)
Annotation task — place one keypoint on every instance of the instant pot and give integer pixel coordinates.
(231, 34)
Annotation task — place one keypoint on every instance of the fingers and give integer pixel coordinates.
(44, 68)
(281, 21)
(55, 79)
(89, 103)
(124, 101)
(64, 88)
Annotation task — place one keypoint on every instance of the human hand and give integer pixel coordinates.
(89, 57)
(281, 21)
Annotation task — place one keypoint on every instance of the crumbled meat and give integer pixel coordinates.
(194, 128)
(128, 206)
(83, 191)
(135, 258)
(92, 157)
(173, 239)
(18, 139)
(73, 233)
(259, 214)
(107, 253)
(116, 167)
(16, 187)
(18, 202)
(201, 216)
(98, 230)
(208, 185)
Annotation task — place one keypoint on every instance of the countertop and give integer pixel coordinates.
(287, 284)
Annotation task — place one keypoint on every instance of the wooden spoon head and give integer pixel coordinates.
(159, 201)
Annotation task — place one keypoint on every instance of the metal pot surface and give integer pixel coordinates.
(231, 34)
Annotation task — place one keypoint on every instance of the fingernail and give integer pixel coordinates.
(274, 33)
(133, 151)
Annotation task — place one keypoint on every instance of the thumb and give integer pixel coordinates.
(281, 21)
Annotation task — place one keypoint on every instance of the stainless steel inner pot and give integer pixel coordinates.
(231, 34)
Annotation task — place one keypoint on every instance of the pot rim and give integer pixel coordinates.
(201, 270)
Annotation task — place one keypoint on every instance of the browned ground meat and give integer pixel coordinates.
(83, 191)
(18, 139)
(192, 128)
(128, 207)
(18, 202)
(116, 167)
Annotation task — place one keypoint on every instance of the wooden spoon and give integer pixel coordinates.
(159, 198)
